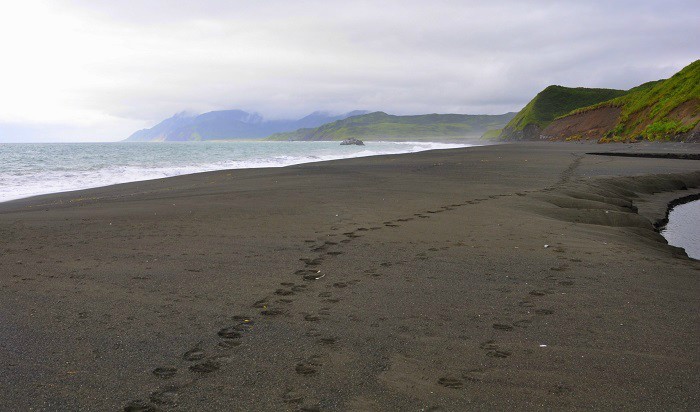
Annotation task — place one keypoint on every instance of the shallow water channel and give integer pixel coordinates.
(683, 228)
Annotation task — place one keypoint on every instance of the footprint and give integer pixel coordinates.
(206, 367)
(493, 350)
(328, 341)
(283, 292)
(231, 332)
(313, 275)
(272, 312)
(166, 372)
(193, 355)
(335, 253)
(340, 285)
(501, 326)
(229, 343)
(312, 318)
(498, 354)
(523, 323)
(312, 262)
(544, 311)
(166, 396)
(305, 368)
(451, 383)
(488, 345)
(538, 293)
(292, 397)
(474, 375)
(140, 406)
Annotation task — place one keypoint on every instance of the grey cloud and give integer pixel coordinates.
(285, 59)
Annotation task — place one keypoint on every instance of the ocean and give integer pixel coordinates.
(29, 169)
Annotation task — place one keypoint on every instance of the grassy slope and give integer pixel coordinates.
(555, 101)
(645, 108)
(382, 126)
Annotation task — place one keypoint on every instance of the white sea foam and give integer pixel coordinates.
(35, 169)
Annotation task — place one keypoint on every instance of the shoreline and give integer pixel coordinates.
(204, 167)
(526, 274)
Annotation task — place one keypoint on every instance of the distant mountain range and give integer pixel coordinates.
(228, 124)
(656, 111)
(382, 126)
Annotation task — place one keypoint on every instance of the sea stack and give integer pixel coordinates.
(352, 140)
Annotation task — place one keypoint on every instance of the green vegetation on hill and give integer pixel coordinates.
(382, 126)
(492, 134)
(657, 110)
(550, 103)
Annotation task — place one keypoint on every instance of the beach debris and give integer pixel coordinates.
(546, 246)
(543, 346)
(313, 275)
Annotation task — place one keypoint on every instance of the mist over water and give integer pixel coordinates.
(683, 228)
(34, 169)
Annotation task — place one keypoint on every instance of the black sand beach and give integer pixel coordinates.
(516, 276)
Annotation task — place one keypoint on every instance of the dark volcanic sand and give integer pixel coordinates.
(435, 290)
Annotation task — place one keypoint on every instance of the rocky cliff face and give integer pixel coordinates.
(594, 124)
(656, 111)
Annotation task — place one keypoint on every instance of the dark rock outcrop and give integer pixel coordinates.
(352, 141)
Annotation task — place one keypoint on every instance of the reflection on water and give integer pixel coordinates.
(683, 228)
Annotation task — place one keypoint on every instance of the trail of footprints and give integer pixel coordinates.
(531, 306)
(202, 362)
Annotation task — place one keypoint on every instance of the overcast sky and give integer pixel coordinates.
(79, 70)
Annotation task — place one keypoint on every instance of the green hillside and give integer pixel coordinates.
(382, 126)
(657, 110)
(550, 103)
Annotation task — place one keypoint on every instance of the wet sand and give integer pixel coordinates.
(518, 276)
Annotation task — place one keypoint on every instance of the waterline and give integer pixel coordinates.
(35, 169)
(683, 228)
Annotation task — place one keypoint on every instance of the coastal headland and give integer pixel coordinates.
(514, 276)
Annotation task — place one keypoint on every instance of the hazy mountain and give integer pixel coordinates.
(228, 124)
(382, 126)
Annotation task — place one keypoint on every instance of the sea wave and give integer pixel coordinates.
(30, 170)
